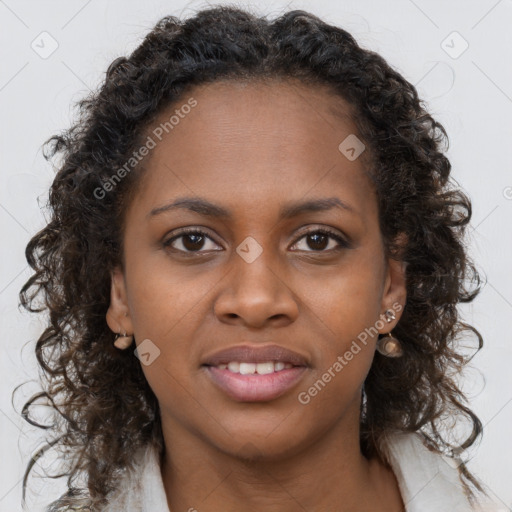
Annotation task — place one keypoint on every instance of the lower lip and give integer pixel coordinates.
(254, 387)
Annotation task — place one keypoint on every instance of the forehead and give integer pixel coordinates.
(254, 143)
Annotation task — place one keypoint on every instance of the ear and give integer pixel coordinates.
(118, 313)
(394, 294)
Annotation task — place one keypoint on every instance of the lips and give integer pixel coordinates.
(255, 374)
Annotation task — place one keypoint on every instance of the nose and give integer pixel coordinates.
(255, 294)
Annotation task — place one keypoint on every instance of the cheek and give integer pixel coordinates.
(347, 300)
(341, 366)
(162, 296)
(345, 311)
(164, 308)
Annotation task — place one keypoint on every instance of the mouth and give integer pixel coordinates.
(255, 374)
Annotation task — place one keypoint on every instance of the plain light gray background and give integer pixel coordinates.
(464, 77)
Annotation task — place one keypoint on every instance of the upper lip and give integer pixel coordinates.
(255, 354)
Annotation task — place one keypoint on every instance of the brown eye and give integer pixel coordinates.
(318, 240)
(191, 240)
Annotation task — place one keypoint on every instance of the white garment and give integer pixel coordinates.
(427, 482)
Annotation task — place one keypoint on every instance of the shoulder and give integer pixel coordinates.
(140, 487)
(427, 480)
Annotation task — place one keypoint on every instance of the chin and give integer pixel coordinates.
(260, 452)
(256, 445)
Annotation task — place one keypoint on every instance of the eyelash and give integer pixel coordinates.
(343, 244)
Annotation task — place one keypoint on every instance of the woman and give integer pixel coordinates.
(252, 270)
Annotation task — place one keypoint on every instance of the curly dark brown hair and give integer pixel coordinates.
(104, 406)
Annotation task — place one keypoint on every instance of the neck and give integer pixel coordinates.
(328, 474)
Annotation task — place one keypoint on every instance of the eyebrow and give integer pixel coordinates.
(289, 210)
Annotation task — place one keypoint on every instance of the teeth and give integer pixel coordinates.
(265, 368)
(251, 368)
(234, 367)
(246, 368)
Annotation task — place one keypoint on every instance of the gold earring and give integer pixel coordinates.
(389, 346)
(123, 341)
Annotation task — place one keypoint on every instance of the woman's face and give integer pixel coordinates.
(255, 278)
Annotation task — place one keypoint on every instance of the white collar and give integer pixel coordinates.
(427, 482)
